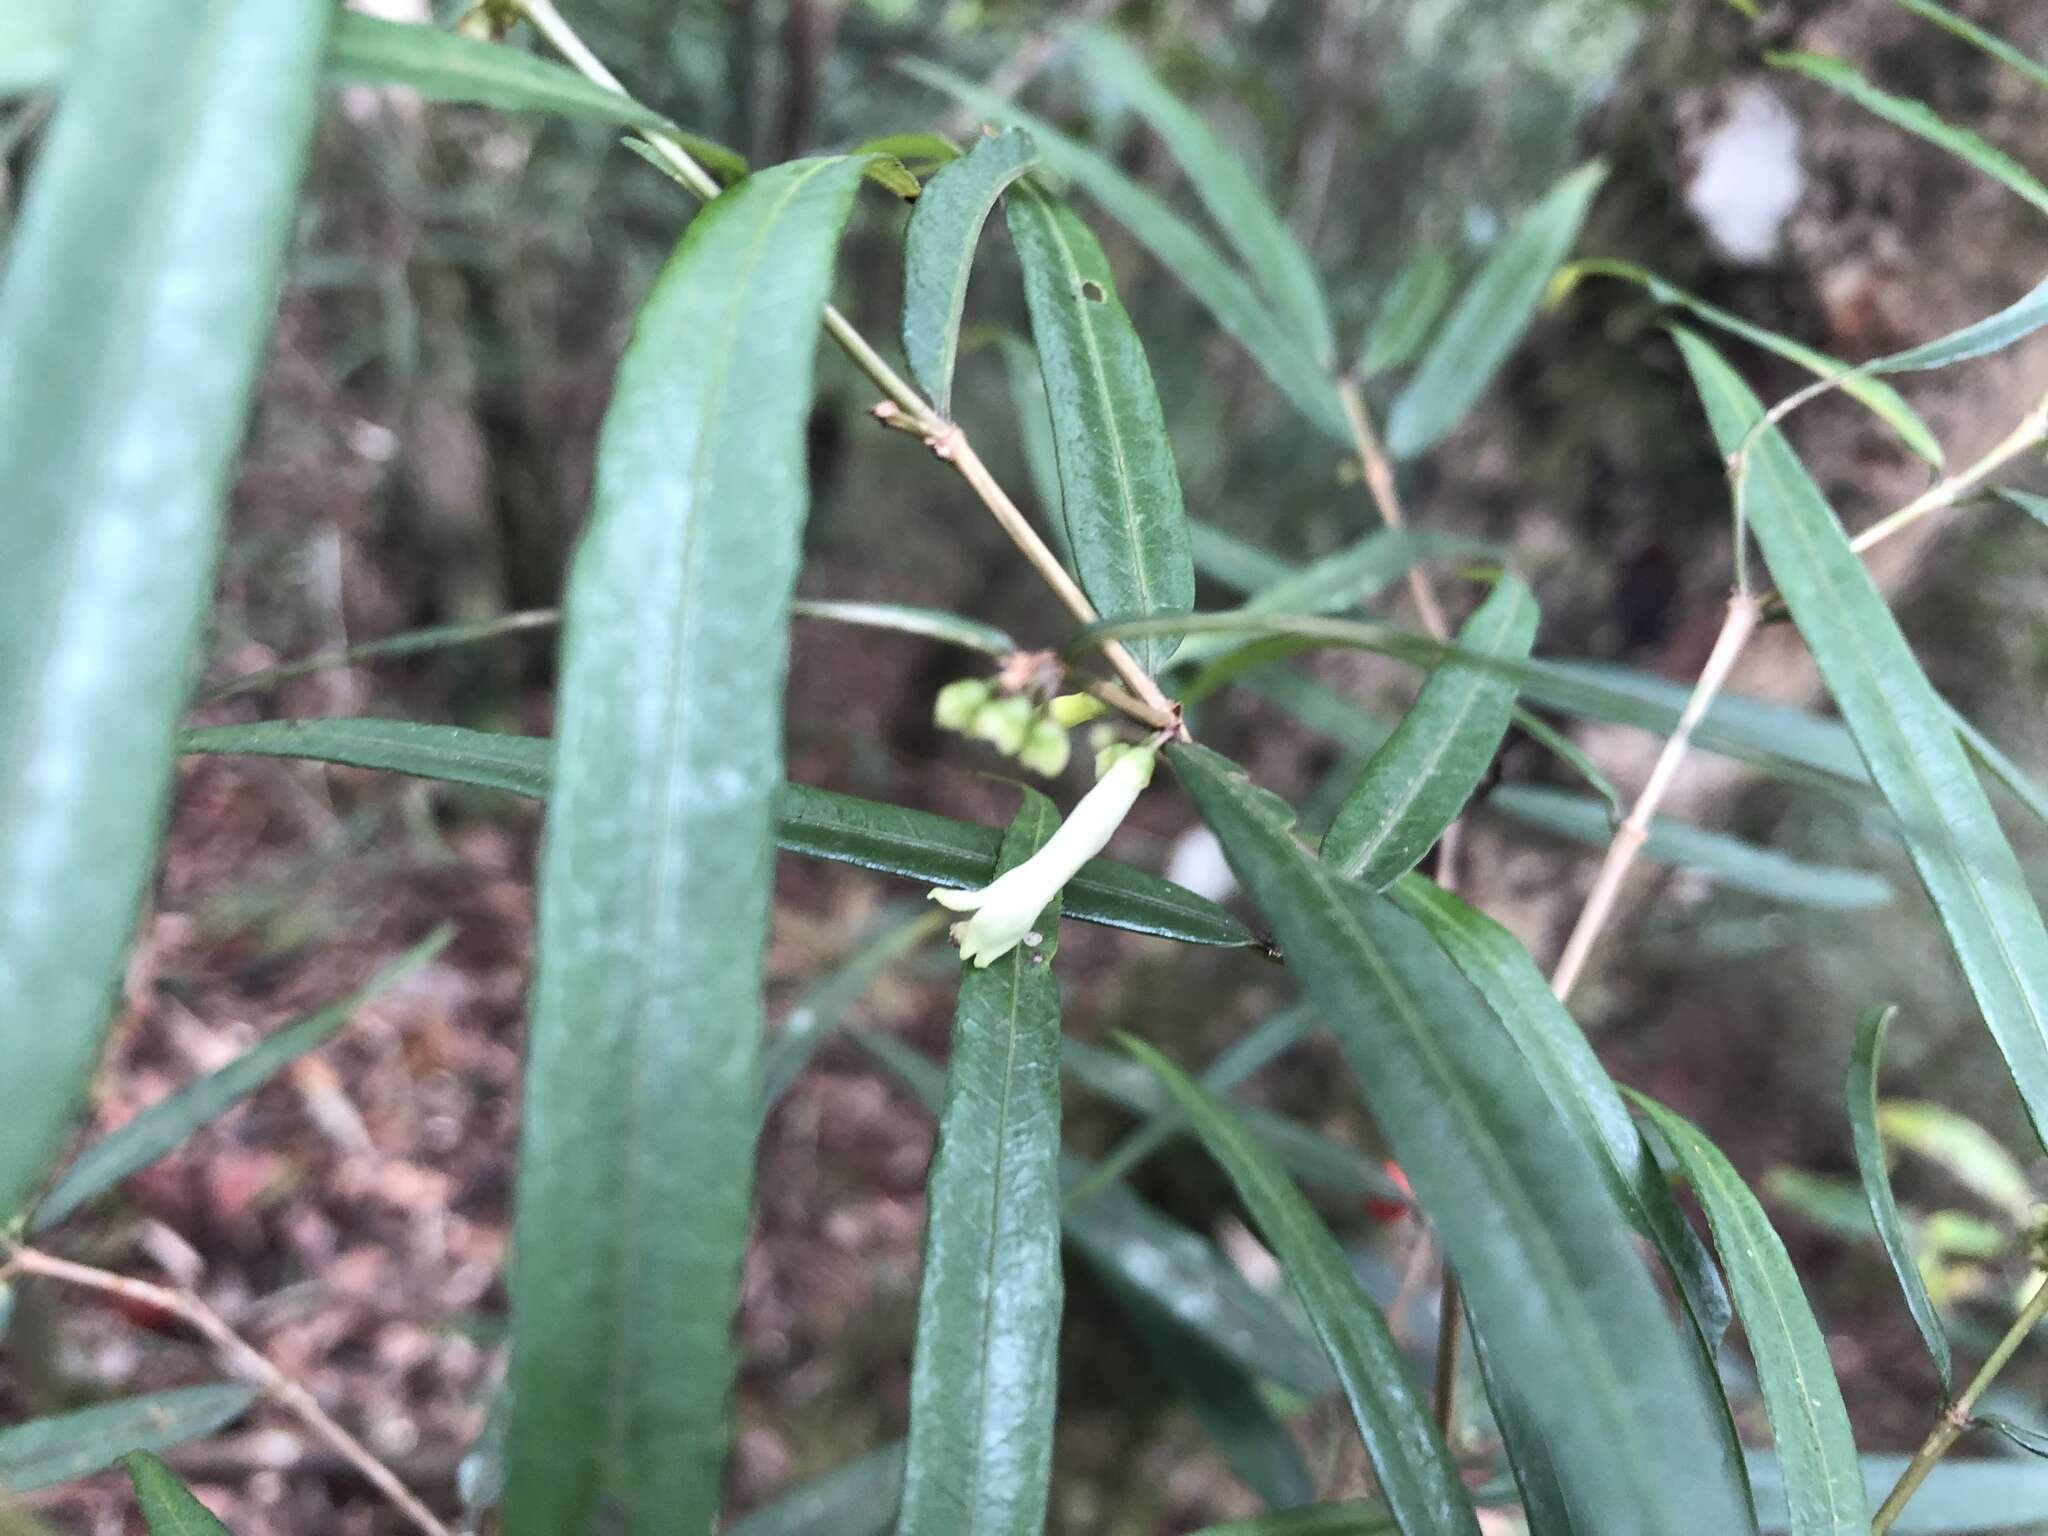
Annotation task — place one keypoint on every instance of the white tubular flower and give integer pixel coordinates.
(1004, 911)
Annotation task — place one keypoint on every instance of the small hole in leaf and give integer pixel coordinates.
(1092, 291)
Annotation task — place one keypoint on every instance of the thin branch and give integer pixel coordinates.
(1955, 1419)
(240, 1357)
(1450, 1315)
(2029, 434)
(905, 408)
(1379, 479)
(1629, 837)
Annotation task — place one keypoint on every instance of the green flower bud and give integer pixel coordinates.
(957, 703)
(1003, 724)
(1072, 709)
(1046, 749)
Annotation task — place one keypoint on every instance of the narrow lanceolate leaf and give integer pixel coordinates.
(654, 885)
(1881, 399)
(1995, 332)
(1490, 316)
(1035, 439)
(1409, 1460)
(1239, 1060)
(55, 1450)
(1406, 313)
(1120, 493)
(138, 291)
(1992, 44)
(1919, 119)
(1417, 784)
(1877, 1190)
(1233, 198)
(858, 1499)
(1544, 1504)
(1903, 731)
(1728, 861)
(817, 823)
(1518, 1203)
(1178, 247)
(938, 254)
(1176, 1272)
(164, 1125)
(168, 1507)
(988, 1314)
(1816, 1450)
(1578, 1087)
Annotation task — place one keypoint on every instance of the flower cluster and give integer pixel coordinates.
(1013, 723)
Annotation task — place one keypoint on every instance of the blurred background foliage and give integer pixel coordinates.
(462, 287)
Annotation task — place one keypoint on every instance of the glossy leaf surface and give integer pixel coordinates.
(652, 901)
(817, 823)
(988, 1313)
(1126, 530)
(139, 287)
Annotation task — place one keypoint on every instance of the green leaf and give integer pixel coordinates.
(1410, 1463)
(1543, 1499)
(1120, 493)
(1417, 784)
(1903, 731)
(1919, 119)
(1577, 1086)
(1980, 338)
(920, 151)
(816, 1014)
(1975, 35)
(1537, 1237)
(1728, 861)
(162, 1126)
(1177, 246)
(988, 1313)
(445, 66)
(858, 1499)
(1239, 1060)
(1490, 316)
(938, 254)
(1406, 313)
(1348, 579)
(44, 1452)
(1224, 557)
(1298, 1148)
(1877, 1191)
(892, 175)
(168, 1507)
(1225, 1400)
(652, 901)
(907, 619)
(1226, 189)
(1786, 743)
(1816, 1451)
(817, 823)
(138, 292)
(1880, 398)
(1176, 1272)
(1035, 438)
